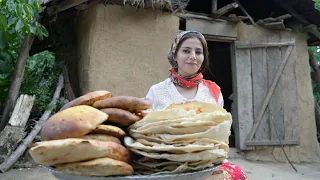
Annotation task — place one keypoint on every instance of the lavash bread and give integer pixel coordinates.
(182, 137)
(73, 122)
(97, 167)
(88, 99)
(199, 107)
(73, 150)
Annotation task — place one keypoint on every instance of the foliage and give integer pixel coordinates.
(19, 18)
(317, 4)
(41, 78)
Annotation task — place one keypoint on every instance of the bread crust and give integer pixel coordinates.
(73, 122)
(109, 130)
(132, 104)
(120, 116)
(76, 149)
(88, 99)
(97, 167)
(102, 137)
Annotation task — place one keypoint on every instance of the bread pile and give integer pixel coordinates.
(182, 137)
(84, 137)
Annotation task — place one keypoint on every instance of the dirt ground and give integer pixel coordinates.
(254, 169)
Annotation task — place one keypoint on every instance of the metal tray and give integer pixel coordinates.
(195, 175)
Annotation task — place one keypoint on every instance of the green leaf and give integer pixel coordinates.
(11, 21)
(5, 56)
(19, 25)
(44, 32)
(3, 23)
(17, 10)
(2, 40)
(24, 9)
(33, 28)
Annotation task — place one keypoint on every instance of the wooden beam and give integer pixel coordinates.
(241, 45)
(220, 38)
(245, 12)
(286, 16)
(274, 25)
(64, 5)
(234, 18)
(214, 6)
(289, 9)
(300, 18)
(225, 9)
(193, 16)
(213, 28)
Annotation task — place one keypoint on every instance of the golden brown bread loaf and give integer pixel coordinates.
(97, 167)
(73, 122)
(132, 104)
(76, 149)
(120, 116)
(109, 130)
(102, 137)
(88, 99)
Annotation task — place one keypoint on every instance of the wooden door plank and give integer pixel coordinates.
(275, 105)
(290, 99)
(22, 110)
(259, 90)
(244, 94)
(270, 92)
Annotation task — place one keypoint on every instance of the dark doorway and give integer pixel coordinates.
(220, 73)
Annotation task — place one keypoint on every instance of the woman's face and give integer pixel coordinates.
(190, 57)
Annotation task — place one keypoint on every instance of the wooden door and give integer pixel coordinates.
(265, 93)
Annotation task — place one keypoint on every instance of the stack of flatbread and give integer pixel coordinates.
(84, 137)
(182, 137)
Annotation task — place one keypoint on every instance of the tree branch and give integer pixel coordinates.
(16, 81)
(7, 164)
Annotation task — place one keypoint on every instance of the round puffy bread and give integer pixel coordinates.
(102, 137)
(74, 150)
(120, 116)
(88, 99)
(133, 104)
(73, 122)
(97, 167)
(109, 130)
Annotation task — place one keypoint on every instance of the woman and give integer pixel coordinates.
(188, 57)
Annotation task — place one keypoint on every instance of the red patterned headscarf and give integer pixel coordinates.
(189, 82)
